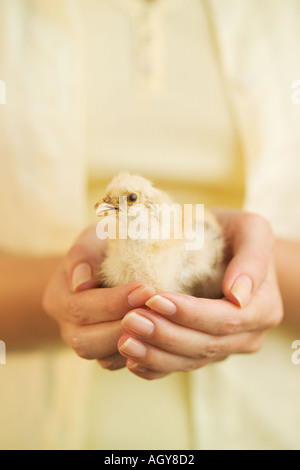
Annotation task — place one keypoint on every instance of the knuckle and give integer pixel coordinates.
(275, 319)
(255, 345)
(76, 312)
(276, 312)
(109, 364)
(78, 251)
(214, 348)
(78, 343)
(230, 325)
(112, 307)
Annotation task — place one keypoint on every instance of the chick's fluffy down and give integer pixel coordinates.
(165, 264)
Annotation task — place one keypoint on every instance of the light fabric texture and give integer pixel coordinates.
(190, 99)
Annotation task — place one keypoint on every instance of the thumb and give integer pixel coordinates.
(252, 246)
(83, 261)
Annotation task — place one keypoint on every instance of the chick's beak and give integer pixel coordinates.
(103, 209)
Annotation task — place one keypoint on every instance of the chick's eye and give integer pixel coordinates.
(132, 197)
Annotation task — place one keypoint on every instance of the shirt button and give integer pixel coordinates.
(247, 79)
(146, 66)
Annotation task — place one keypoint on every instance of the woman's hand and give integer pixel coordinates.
(183, 333)
(90, 318)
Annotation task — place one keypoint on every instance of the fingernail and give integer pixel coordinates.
(138, 297)
(162, 305)
(242, 289)
(136, 367)
(81, 274)
(137, 323)
(133, 348)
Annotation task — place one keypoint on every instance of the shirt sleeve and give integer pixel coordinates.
(259, 52)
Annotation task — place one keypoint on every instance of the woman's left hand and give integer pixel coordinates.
(183, 333)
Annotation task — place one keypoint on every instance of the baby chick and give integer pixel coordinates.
(167, 263)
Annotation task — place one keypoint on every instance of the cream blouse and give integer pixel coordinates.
(156, 101)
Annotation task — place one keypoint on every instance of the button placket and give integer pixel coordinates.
(148, 50)
(147, 33)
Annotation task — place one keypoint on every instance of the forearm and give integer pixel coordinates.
(287, 258)
(22, 282)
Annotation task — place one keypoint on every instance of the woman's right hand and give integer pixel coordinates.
(90, 317)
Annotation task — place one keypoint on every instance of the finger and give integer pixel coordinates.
(162, 333)
(214, 317)
(156, 359)
(149, 374)
(143, 372)
(99, 305)
(94, 305)
(93, 341)
(251, 244)
(113, 362)
(83, 261)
